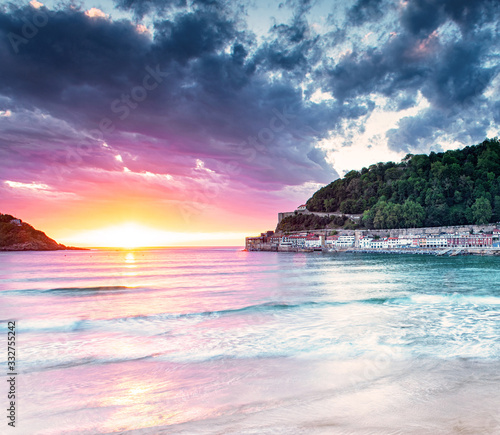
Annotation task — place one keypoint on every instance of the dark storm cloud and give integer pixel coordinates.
(424, 16)
(366, 10)
(213, 100)
(460, 75)
(417, 133)
(291, 52)
(382, 70)
(156, 8)
(413, 130)
(291, 48)
(69, 56)
(144, 7)
(452, 69)
(456, 74)
(447, 72)
(496, 112)
(219, 95)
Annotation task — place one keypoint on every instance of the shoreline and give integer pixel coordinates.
(449, 252)
(29, 249)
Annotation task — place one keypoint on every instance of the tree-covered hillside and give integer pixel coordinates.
(302, 222)
(453, 188)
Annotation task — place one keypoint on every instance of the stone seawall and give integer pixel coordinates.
(396, 232)
(432, 230)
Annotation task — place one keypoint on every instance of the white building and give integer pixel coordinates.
(378, 244)
(313, 242)
(365, 242)
(285, 241)
(331, 240)
(437, 242)
(392, 242)
(345, 241)
(405, 241)
(297, 240)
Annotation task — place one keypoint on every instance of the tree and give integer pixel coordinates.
(497, 207)
(392, 215)
(348, 206)
(458, 215)
(379, 220)
(368, 218)
(481, 211)
(413, 214)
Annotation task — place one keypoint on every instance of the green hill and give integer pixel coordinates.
(456, 187)
(19, 236)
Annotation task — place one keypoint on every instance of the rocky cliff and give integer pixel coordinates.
(16, 235)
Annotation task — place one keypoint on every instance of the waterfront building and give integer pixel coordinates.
(378, 244)
(254, 243)
(365, 242)
(313, 241)
(471, 240)
(405, 241)
(345, 241)
(331, 240)
(296, 240)
(496, 238)
(392, 242)
(436, 242)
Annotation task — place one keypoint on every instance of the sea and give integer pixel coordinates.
(223, 341)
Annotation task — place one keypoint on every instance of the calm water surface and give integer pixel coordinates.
(220, 341)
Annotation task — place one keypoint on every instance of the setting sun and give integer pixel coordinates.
(128, 235)
(132, 235)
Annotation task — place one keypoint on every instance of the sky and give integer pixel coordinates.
(183, 122)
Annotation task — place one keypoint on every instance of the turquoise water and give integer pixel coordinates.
(219, 341)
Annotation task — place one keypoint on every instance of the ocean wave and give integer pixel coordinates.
(71, 291)
(96, 289)
(82, 361)
(267, 308)
(44, 326)
(37, 326)
(455, 298)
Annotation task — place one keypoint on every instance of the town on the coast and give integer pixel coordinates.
(445, 203)
(454, 240)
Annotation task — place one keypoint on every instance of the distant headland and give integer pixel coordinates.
(456, 187)
(444, 202)
(16, 235)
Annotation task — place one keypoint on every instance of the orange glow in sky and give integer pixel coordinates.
(132, 235)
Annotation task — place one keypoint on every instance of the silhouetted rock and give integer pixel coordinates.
(16, 235)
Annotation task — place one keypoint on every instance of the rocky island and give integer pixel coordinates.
(16, 235)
